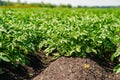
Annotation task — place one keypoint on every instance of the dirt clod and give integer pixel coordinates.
(66, 68)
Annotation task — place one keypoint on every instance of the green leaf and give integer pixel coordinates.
(78, 49)
(4, 57)
(116, 54)
(117, 69)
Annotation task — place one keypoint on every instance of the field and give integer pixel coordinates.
(85, 32)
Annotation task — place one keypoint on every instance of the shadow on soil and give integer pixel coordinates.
(22, 71)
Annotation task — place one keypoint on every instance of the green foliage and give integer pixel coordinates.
(61, 32)
(117, 69)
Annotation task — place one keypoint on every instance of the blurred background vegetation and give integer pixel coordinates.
(25, 4)
(20, 4)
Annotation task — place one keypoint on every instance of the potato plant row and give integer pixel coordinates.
(59, 32)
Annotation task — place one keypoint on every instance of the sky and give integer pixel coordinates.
(77, 2)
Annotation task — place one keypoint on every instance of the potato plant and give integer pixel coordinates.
(71, 32)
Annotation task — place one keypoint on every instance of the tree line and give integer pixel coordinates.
(18, 3)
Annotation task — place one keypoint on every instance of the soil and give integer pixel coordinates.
(65, 68)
